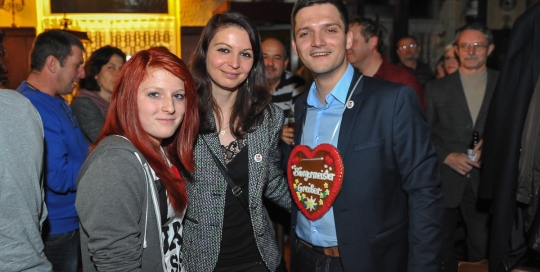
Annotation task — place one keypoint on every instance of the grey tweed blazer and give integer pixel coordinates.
(206, 196)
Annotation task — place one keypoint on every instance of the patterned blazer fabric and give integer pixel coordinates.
(207, 188)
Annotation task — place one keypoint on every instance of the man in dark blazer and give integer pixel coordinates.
(457, 106)
(388, 214)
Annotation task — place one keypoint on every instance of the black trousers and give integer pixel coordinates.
(257, 266)
(476, 224)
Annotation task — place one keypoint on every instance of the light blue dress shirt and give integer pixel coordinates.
(322, 126)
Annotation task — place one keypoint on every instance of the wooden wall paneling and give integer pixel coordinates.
(17, 44)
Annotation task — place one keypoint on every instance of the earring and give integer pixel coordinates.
(247, 81)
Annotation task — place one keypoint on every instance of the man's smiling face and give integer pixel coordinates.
(320, 39)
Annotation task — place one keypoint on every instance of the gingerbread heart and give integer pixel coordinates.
(315, 177)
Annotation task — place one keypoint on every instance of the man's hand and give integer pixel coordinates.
(461, 163)
(287, 134)
(478, 150)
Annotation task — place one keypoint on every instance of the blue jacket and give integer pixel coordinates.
(388, 214)
(65, 151)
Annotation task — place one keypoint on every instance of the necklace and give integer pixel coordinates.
(222, 130)
(31, 86)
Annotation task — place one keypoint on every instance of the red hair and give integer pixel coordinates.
(123, 110)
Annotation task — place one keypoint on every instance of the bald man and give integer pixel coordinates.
(285, 85)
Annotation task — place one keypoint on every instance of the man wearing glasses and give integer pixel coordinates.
(408, 52)
(367, 56)
(55, 68)
(457, 106)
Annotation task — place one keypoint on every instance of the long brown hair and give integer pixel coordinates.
(253, 95)
(122, 120)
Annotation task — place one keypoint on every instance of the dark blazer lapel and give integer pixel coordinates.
(349, 115)
(459, 95)
(490, 88)
(345, 131)
(300, 117)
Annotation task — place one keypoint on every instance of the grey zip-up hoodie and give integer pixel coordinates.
(22, 209)
(119, 210)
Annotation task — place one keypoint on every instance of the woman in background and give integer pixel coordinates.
(448, 63)
(91, 102)
(239, 133)
(451, 61)
(131, 198)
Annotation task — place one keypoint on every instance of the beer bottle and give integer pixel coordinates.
(473, 143)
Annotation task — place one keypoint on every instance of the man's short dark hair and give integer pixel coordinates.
(56, 43)
(478, 27)
(285, 47)
(300, 4)
(371, 28)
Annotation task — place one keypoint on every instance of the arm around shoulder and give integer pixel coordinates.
(277, 189)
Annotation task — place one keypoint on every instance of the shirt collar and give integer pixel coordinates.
(338, 93)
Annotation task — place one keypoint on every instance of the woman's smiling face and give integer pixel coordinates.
(229, 58)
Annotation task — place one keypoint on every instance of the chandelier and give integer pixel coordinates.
(13, 6)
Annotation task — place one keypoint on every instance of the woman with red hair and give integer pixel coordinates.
(131, 198)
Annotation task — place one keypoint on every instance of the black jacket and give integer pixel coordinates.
(503, 131)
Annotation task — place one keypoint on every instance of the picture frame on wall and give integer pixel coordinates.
(109, 6)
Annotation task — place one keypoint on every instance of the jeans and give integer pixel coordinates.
(62, 250)
(306, 259)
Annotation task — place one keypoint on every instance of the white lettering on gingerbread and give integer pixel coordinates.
(310, 189)
(298, 172)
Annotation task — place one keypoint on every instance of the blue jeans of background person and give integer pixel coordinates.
(62, 250)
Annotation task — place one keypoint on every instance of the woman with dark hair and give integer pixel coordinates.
(131, 198)
(91, 102)
(226, 231)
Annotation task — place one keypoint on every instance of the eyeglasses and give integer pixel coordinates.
(478, 47)
(412, 45)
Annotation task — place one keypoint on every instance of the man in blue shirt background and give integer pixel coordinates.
(55, 68)
(388, 214)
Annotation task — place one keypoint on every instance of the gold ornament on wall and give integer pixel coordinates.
(14, 6)
(128, 31)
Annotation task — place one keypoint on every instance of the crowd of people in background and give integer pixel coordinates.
(163, 164)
